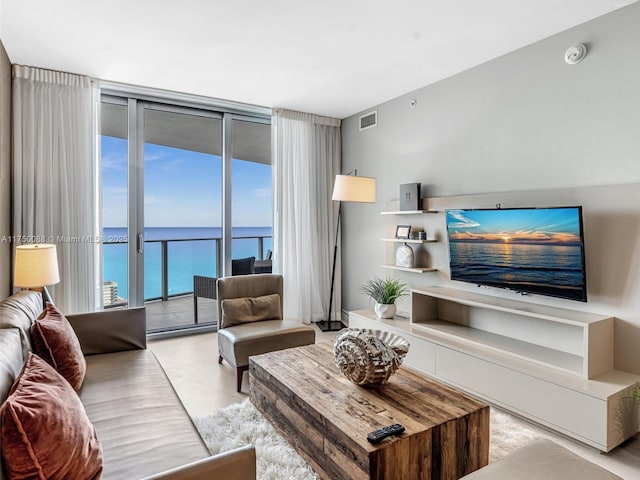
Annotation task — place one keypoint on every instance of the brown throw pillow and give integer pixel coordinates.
(54, 340)
(250, 309)
(46, 433)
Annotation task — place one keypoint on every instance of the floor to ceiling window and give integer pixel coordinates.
(168, 214)
(251, 193)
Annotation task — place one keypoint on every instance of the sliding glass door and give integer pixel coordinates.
(114, 145)
(182, 186)
(251, 193)
(176, 204)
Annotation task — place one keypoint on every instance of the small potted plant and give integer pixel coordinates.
(385, 292)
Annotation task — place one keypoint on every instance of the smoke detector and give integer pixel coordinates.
(575, 54)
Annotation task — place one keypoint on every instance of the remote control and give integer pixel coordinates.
(384, 432)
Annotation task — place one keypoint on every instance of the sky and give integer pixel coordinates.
(184, 188)
(550, 226)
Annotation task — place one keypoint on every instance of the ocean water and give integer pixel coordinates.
(191, 251)
(553, 269)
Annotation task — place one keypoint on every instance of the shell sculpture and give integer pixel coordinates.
(369, 357)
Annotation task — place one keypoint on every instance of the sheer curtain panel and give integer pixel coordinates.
(306, 158)
(54, 181)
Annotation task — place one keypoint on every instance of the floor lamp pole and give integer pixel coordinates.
(329, 325)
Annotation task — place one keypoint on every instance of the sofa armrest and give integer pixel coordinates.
(239, 464)
(111, 330)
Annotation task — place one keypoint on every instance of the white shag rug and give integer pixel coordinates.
(240, 424)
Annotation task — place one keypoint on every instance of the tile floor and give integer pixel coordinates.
(191, 362)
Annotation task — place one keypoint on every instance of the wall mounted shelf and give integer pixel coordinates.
(407, 269)
(408, 240)
(408, 212)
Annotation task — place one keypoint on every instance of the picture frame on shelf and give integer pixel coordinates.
(403, 231)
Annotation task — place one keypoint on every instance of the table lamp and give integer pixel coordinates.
(36, 266)
(347, 188)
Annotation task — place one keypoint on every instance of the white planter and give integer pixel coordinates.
(385, 310)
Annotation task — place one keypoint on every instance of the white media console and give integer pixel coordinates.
(551, 365)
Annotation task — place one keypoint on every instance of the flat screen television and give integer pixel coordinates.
(530, 250)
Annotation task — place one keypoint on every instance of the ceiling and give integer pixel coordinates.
(328, 57)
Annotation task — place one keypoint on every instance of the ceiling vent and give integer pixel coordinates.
(369, 120)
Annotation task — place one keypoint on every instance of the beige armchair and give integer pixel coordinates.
(250, 320)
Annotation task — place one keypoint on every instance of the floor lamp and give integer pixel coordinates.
(36, 266)
(347, 188)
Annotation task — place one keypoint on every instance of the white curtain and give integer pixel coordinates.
(306, 159)
(54, 177)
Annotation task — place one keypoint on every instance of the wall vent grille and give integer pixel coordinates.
(369, 120)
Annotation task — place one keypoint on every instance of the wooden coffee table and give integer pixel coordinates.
(326, 418)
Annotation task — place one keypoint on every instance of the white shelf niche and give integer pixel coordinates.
(571, 341)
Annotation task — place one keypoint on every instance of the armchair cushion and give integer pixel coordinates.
(236, 311)
(237, 343)
(54, 340)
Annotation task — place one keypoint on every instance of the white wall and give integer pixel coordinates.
(530, 126)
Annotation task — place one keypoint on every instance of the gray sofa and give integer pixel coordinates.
(143, 427)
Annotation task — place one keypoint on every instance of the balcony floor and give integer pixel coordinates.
(178, 312)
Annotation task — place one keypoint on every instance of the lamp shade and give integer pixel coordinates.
(35, 266)
(350, 188)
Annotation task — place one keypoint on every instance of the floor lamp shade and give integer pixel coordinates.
(350, 188)
(36, 266)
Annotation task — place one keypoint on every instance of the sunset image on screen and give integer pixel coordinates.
(530, 250)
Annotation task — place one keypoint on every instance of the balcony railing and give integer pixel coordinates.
(175, 262)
